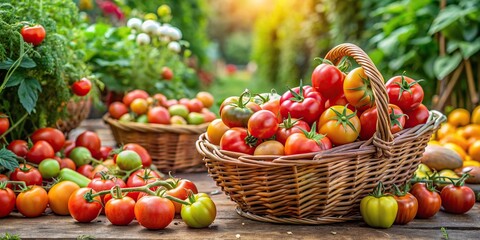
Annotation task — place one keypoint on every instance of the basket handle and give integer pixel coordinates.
(376, 80)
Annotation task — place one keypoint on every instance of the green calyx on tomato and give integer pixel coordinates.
(395, 119)
(344, 119)
(398, 192)
(201, 212)
(379, 210)
(405, 86)
(312, 134)
(237, 113)
(297, 97)
(367, 90)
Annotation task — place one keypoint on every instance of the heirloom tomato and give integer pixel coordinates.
(215, 131)
(368, 121)
(358, 89)
(429, 201)
(154, 212)
(457, 198)
(238, 140)
(270, 147)
(327, 79)
(407, 206)
(340, 124)
(417, 116)
(32, 202)
(290, 126)
(19, 147)
(180, 189)
(53, 136)
(404, 92)
(379, 210)
(7, 200)
(33, 34)
(120, 211)
(39, 151)
(82, 206)
(302, 102)
(28, 174)
(263, 124)
(236, 114)
(307, 142)
(128, 160)
(200, 213)
(58, 196)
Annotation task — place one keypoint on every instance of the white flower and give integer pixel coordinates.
(134, 23)
(163, 30)
(175, 33)
(143, 39)
(174, 46)
(150, 26)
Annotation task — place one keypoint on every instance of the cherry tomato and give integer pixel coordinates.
(28, 174)
(39, 151)
(270, 147)
(140, 178)
(153, 212)
(340, 124)
(215, 131)
(404, 92)
(33, 34)
(81, 209)
(7, 201)
(289, 127)
(58, 196)
(120, 211)
(237, 140)
(105, 182)
(158, 115)
(206, 98)
(307, 142)
(32, 202)
(304, 103)
(89, 140)
(417, 116)
(19, 147)
(429, 201)
(357, 89)
(167, 73)
(328, 80)
(457, 199)
(130, 96)
(4, 123)
(82, 87)
(368, 121)
(180, 189)
(117, 109)
(263, 124)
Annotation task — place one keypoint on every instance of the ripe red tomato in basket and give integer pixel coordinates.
(307, 142)
(117, 109)
(429, 201)
(238, 140)
(290, 126)
(263, 124)
(130, 96)
(404, 92)
(82, 87)
(327, 79)
(417, 116)
(368, 120)
(158, 115)
(304, 103)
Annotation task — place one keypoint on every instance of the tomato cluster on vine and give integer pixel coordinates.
(337, 109)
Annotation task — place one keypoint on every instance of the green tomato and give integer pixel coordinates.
(201, 213)
(49, 168)
(142, 118)
(195, 118)
(81, 156)
(178, 110)
(128, 160)
(127, 117)
(379, 210)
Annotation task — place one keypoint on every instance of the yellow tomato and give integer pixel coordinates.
(470, 131)
(459, 117)
(58, 196)
(340, 124)
(434, 142)
(474, 151)
(457, 149)
(357, 88)
(445, 129)
(476, 115)
(139, 106)
(471, 164)
(457, 139)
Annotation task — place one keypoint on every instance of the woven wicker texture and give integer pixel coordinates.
(77, 112)
(172, 147)
(325, 187)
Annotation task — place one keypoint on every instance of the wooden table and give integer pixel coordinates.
(229, 225)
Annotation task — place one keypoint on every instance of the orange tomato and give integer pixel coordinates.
(455, 138)
(215, 131)
(139, 106)
(476, 115)
(270, 147)
(340, 124)
(472, 140)
(474, 151)
(457, 149)
(471, 130)
(357, 89)
(206, 98)
(445, 130)
(434, 142)
(459, 117)
(33, 202)
(58, 196)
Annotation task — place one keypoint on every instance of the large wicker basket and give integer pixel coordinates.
(172, 147)
(324, 187)
(77, 112)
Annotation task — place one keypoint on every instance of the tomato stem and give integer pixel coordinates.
(246, 94)
(378, 190)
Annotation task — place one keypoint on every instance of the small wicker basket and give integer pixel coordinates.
(77, 112)
(172, 147)
(324, 187)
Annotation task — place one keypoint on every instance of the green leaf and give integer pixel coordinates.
(400, 61)
(470, 32)
(27, 63)
(119, 62)
(421, 41)
(452, 46)
(449, 15)
(6, 64)
(15, 79)
(28, 93)
(446, 64)
(8, 159)
(469, 49)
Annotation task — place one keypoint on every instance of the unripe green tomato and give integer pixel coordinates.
(128, 160)
(49, 168)
(195, 118)
(81, 156)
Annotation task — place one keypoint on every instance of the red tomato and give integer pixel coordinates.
(457, 199)
(53, 136)
(117, 109)
(39, 151)
(195, 105)
(307, 142)
(339, 100)
(417, 116)
(130, 96)
(32, 202)
(304, 103)
(33, 34)
(368, 121)
(140, 178)
(4, 123)
(236, 111)
(81, 209)
(28, 174)
(153, 212)
(160, 100)
(429, 201)
(19, 147)
(208, 115)
(407, 208)
(142, 152)
(404, 92)
(120, 211)
(289, 127)
(328, 80)
(68, 147)
(158, 115)
(82, 87)
(105, 182)
(5, 178)
(7, 201)
(104, 153)
(180, 189)
(171, 102)
(67, 163)
(167, 73)
(86, 170)
(235, 140)
(263, 124)
(90, 140)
